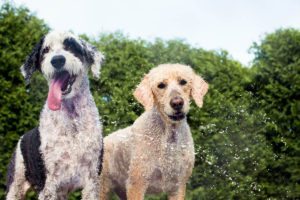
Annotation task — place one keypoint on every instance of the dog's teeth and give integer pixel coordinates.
(68, 88)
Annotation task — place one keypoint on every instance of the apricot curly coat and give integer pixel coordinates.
(156, 153)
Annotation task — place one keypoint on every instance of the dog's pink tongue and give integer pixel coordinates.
(55, 93)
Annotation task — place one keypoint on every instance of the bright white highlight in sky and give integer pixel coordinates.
(232, 25)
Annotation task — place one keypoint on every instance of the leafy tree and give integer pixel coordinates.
(19, 31)
(125, 63)
(230, 149)
(277, 86)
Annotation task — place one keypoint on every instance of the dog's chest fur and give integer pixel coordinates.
(170, 152)
(71, 145)
(174, 158)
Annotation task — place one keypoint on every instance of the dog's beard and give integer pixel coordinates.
(61, 84)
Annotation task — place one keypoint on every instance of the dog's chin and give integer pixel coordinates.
(177, 116)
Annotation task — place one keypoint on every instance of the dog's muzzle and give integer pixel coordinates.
(177, 104)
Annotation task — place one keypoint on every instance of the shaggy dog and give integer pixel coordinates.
(64, 152)
(156, 153)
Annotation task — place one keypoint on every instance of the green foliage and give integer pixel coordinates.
(121, 71)
(19, 109)
(277, 87)
(246, 140)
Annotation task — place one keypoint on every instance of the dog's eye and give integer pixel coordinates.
(161, 85)
(45, 50)
(182, 82)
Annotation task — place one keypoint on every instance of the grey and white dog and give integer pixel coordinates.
(64, 152)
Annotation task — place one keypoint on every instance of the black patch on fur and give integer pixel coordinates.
(33, 61)
(100, 162)
(89, 52)
(35, 171)
(10, 172)
(71, 45)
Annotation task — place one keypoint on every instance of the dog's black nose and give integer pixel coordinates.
(58, 61)
(177, 103)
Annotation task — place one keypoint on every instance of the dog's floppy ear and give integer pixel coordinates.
(98, 59)
(33, 61)
(94, 58)
(199, 89)
(143, 94)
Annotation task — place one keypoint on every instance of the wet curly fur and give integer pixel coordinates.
(64, 152)
(156, 153)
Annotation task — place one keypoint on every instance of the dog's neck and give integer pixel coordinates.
(81, 99)
(77, 115)
(167, 127)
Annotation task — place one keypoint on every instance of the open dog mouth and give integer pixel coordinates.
(67, 85)
(177, 116)
(61, 84)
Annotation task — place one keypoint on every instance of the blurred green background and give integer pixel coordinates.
(246, 135)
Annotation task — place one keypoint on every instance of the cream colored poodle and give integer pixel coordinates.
(156, 153)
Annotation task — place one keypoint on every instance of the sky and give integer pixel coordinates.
(232, 25)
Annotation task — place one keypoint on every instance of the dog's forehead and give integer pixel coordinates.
(55, 38)
(171, 72)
